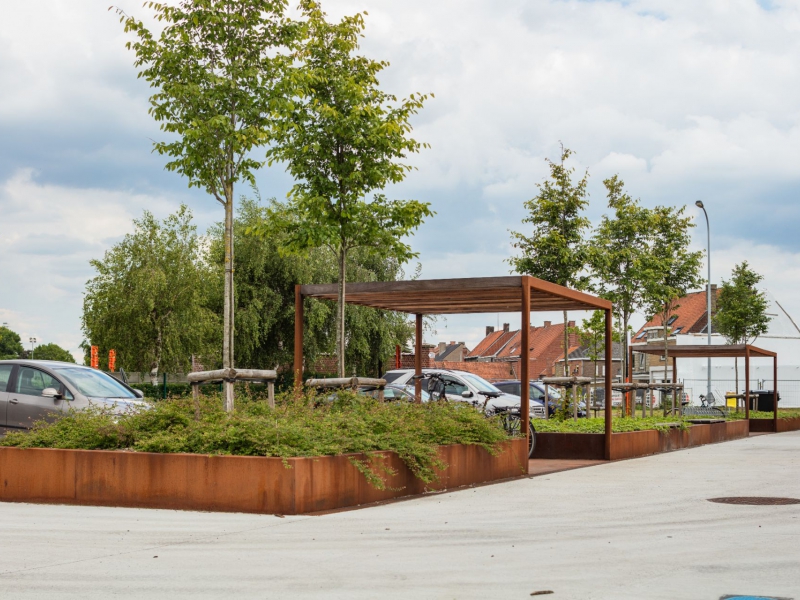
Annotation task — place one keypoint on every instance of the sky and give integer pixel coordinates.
(684, 99)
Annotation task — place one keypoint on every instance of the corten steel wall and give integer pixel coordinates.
(631, 444)
(231, 483)
(767, 426)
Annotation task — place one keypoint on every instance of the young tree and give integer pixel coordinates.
(615, 256)
(741, 309)
(592, 336)
(670, 268)
(220, 70)
(556, 250)
(344, 139)
(147, 299)
(10, 345)
(52, 352)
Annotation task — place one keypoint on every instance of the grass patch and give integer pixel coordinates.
(299, 425)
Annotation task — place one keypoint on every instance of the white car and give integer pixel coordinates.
(462, 386)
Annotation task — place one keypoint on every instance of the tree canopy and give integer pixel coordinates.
(52, 352)
(147, 300)
(344, 140)
(10, 345)
(741, 314)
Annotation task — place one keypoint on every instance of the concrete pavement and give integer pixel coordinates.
(629, 530)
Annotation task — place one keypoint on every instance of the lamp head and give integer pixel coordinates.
(699, 204)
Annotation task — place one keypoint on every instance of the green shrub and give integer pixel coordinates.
(299, 425)
(618, 425)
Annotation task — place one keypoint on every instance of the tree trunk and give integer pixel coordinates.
(228, 328)
(156, 359)
(736, 375)
(625, 366)
(666, 354)
(340, 338)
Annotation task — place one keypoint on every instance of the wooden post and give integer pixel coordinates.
(196, 400)
(418, 360)
(608, 357)
(298, 337)
(525, 360)
(747, 383)
(271, 394)
(679, 401)
(775, 393)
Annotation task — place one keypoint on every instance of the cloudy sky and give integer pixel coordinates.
(685, 99)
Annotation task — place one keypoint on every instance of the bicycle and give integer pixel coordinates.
(509, 416)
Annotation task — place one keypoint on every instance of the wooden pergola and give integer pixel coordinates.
(520, 293)
(745, 351)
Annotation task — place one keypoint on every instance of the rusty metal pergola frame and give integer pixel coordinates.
(745, 351)
(519, 293)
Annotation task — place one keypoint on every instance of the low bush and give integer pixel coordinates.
(618, 425)
(299, 425)
(783, 413)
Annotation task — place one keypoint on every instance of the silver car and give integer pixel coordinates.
(37, 389)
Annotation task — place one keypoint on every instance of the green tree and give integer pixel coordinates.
(343, 140)
(615, 256)
(556, 249)
(147, 299)
(10, 345)
(52, 352)
(670, 269)
(221, 69)
(741, 309)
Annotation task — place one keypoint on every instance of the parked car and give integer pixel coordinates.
(35, 389)
(462, 386)
(394, 392)
(514, 386)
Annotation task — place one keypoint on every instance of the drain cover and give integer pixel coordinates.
(756, 500)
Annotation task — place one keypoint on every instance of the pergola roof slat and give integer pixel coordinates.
(705, 351)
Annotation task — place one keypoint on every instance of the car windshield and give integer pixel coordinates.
(479, 383)
(95, 384)
(411, 390)
(554, 392)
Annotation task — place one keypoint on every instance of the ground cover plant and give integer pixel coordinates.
(301, 424)
(783, 413)
(597, 425)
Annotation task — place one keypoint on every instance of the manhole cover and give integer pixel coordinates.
(756, 500)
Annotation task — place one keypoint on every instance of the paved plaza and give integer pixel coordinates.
(634, 529)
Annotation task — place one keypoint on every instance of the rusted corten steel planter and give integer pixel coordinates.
(231, 483)
(769, 425)
(631, 444)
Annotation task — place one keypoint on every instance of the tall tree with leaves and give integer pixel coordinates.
(556, 249)
(615, 256)
(221, 70)
(147, 300)
(53, 352)
(10, 344)
(741, 309)
(592, 336)
(670, 268)
(343, 140)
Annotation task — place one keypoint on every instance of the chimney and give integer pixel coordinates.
(713, 298)
(452, 343)
(571, 324)
(548, 323)
(442, 348)
(489, 330)
(505, 327)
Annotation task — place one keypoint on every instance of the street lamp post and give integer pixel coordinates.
(32, 341)
(699, 204)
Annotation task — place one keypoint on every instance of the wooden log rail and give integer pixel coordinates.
(230, 376)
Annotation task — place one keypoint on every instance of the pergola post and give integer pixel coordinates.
(608, 361)
(298, 336)
(747, 383)
(677, 402)
(775, 393)
(418, 360)
(525, 360)
(627, 404)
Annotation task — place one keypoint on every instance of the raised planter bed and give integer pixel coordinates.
(232, 483)
(768, 425)
(590, 446)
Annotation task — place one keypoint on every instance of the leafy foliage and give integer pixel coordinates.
(618, 425)
(741, 308)
(300, 425)
(10, 345)
(147, 300)
(52, 352)
(342, 140)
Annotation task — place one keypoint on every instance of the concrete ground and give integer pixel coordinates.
(635, 529)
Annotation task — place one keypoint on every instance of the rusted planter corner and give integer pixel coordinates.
(768, 425)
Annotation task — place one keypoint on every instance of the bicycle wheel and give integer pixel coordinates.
(512, 425)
